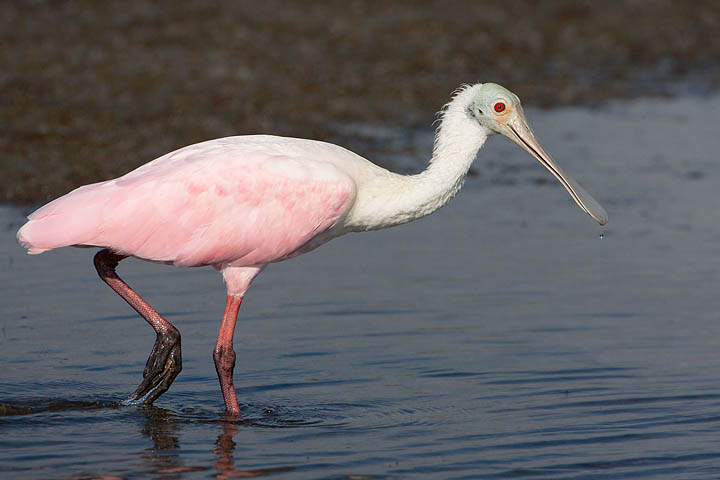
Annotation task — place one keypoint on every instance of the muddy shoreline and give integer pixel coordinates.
(92, 89)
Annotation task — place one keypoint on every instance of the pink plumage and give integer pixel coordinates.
(232, 202)
(235, 203)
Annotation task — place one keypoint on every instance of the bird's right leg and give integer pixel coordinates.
(165, 360)
(224, 355)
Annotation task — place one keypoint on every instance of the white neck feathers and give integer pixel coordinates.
(391, 199)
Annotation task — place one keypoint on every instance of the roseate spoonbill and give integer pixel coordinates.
(240, 203)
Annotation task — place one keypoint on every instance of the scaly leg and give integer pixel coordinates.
(165, 360)
(224, 355)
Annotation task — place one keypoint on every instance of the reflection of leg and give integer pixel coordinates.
(225, 450)
(162, 458)
(225, 463)
(161, 427)
(165, 360)
(224, 355)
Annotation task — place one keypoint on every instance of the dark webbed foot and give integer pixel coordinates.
(163, 365)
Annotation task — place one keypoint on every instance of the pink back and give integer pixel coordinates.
(240, 200)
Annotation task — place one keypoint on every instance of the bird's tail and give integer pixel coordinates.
(69, 220)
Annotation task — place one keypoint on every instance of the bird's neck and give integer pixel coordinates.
(393, 199)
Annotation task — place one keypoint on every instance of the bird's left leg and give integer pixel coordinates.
(165, 360)
(224, 355)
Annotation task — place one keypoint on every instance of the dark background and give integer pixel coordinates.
(90, 90)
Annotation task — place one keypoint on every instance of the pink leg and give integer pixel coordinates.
(165, 360)
(224, 355)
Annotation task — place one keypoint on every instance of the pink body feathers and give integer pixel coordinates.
(231, 203)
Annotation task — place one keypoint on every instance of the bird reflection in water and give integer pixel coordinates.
(225, 461)
(163, 428)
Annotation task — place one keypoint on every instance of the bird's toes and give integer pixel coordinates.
(171, 369)
(163, 365)
(165, 343)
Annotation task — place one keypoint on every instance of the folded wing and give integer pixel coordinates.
(227, 200)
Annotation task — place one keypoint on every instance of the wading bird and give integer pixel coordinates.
(241, 203)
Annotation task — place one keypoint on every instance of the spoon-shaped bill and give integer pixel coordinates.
(520, 132)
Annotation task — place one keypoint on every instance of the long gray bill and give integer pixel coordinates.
(524, 136)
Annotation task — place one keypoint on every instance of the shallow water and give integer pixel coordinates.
(501, 337)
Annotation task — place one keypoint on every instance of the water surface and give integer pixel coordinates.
(498, 338)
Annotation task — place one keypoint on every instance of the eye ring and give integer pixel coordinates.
(499, 107)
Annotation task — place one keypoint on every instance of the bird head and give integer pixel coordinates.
(499, 111)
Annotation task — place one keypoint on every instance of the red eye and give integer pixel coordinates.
(499, 107)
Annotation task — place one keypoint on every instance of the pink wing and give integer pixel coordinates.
(246, 200)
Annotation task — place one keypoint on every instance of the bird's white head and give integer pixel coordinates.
(498, 110)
